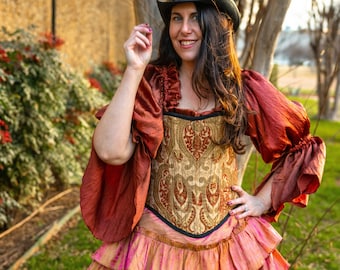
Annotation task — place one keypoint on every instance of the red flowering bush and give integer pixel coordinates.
(49, 41)
(46, 118)
(5, 136)
(3, 56)
(105, 77)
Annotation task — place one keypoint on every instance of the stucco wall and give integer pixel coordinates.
(93, 30)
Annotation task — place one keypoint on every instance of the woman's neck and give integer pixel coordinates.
(186, 70)
(189, 99)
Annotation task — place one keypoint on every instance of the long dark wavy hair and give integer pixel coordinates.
(217, 65)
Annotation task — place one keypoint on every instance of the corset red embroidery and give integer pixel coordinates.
(192, 174)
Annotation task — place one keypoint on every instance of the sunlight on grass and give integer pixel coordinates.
(309, 102)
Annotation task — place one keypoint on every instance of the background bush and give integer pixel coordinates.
(106, 77)
(46, 118)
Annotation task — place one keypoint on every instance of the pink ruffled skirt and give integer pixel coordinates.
(248, 244)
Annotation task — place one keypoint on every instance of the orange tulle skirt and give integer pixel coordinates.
(238, 244)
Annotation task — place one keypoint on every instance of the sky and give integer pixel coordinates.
(298, 13)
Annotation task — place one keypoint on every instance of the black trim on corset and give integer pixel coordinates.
(193, 118)
(185, 232)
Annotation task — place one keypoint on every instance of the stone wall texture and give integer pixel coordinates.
(93, 30)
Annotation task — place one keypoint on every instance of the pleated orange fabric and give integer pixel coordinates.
(238, 244)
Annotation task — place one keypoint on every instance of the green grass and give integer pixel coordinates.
(321, 251)
(71, 251)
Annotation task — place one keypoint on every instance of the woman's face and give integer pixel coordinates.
(185, 32)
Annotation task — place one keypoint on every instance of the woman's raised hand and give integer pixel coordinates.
(138, 47)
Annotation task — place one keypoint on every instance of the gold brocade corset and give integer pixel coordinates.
(192, 174)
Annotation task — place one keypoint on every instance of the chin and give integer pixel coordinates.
(188, 58)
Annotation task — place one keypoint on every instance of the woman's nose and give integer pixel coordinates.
(186, 26)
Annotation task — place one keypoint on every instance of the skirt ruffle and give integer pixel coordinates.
(248, 244)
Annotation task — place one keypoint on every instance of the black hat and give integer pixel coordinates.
(226, 6)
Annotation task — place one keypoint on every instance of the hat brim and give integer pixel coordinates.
(226, 6)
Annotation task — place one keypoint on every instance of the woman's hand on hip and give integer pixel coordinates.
(247, 205)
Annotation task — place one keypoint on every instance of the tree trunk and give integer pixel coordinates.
(252, 29)
(335, 115)
(268, 34)
(324, 35)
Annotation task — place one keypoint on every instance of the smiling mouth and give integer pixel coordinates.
(187, 42)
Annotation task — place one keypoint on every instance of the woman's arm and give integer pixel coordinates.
(280, 131)
(112, 137)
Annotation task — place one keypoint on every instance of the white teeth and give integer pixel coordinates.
(187, 42)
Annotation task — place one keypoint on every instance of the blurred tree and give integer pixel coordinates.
(294, 47)
(263, 25)
(324, 32)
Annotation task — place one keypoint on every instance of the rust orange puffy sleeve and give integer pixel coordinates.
(112, 198)
(280, 131)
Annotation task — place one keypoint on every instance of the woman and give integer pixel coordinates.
(161, 189)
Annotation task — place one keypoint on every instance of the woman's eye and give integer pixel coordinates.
(176, 18)
(195, 17)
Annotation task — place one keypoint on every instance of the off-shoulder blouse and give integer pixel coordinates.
(112, 198)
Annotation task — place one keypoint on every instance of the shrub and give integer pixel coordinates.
(46, 117)
(105, 77)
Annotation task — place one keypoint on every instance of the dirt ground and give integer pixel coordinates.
(14, 244)
(302, 77)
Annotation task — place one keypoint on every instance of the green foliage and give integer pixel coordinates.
(8, 205)
(48, 111)
(105, 77)
(274, 76)
(310, 104)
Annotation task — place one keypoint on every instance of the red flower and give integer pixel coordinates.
(19, 56)
(3, 56)
(112, 68)
(95, 84)
(49, 41)
(5, 136)
(35, 58)
(70, 139)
